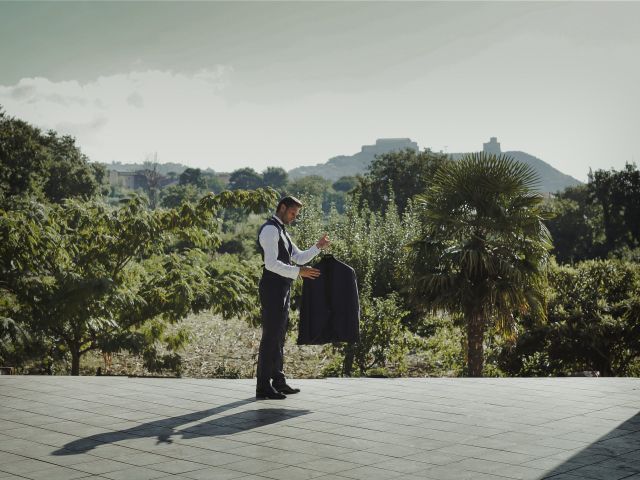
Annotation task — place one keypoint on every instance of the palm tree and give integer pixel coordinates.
(483, 248)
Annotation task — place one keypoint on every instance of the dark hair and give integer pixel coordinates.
(288, 202)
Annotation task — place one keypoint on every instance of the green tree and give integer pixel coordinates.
(372, 244)
(345, 184)
(214, 183)
(23, 158)
(70, 174)
(484, 247)
(173, 196)
(153, 178)
(245, 178)
(576, 226)
(334, 199)
(407, 173)
(618, 192)
(46, 166)
(275, 177)
(593, 323)
(85, 276)
(193, 176)
(310, 186)
(384, 339)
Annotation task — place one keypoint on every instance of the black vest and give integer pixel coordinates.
(284, 250)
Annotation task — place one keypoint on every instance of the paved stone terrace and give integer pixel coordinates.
(136, 429)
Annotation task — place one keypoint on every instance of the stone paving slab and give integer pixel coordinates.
(122, 428)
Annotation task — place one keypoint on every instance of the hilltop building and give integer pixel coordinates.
(384, 145)
(492, 147)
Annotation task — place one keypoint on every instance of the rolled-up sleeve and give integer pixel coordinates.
(269, 242)
(304, 256)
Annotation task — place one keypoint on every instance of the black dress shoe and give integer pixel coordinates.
(286, 389)
(271, 394)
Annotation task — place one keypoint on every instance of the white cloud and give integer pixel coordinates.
(209, 119)
(186, 118)
(126, 116)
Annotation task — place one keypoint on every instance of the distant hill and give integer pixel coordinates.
(346, 165)
(551, 179)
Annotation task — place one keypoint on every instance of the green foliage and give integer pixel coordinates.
(193, 176)
(618, 192)
(174, 195)
(384, 340)
(310, 186)
(214, 183)
(335, 200)
(240, 237)
(245, 179)
(483, 249)
(406, 173)
(443, 346)
(44, 166)
(371, 243)
(276, 178)
(345, 184)
(81, 273)
(576, 226)
(598, 220)
(320, 189)
(593, 323)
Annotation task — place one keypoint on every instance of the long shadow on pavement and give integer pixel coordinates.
(166, 428)
(614, 456)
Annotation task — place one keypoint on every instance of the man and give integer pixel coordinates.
(278, 273)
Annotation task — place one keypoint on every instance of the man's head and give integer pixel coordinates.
(288, 209)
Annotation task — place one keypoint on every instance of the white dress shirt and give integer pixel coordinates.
(269, 242)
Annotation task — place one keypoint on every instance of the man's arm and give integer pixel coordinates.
(302, 257)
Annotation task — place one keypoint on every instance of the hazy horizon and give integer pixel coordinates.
(227, 85)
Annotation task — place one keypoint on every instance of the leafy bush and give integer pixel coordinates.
(372, 244)
(593, 323)
(81, 275)
(384, 340)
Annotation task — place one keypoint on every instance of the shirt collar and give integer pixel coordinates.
(275, 217)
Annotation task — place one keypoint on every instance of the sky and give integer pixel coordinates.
(254, 84)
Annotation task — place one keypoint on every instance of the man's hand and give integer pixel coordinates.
(323, 242)
(309, 272)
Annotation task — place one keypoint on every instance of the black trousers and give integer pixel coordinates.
(275, 294)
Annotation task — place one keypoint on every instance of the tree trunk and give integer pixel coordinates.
(75, 361)
(347, 364)
(475, 350)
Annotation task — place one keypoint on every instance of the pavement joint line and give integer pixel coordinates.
(103, 404)
(113, 405)
(301, 427)
(134, 450)
(612, 443)
(176, 442)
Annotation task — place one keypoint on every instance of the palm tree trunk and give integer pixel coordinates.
(475, 350)
(347, 364)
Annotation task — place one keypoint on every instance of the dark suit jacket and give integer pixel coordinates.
(330, 310)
